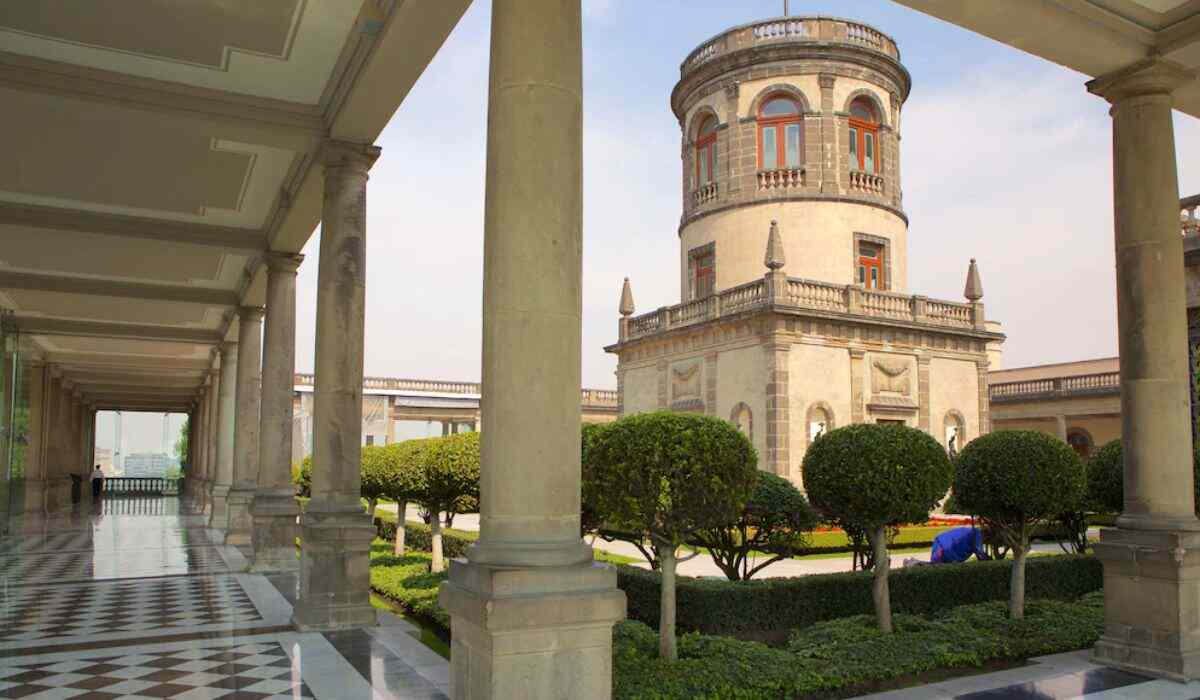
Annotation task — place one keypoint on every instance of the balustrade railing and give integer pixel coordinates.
(787, 30)
(866, 183)
(139, 485)
(1189, 215)
(689, 311)
(886, 304)
(786, 178)
(704, 194)
(817, 295)
(1056, 387)
(599, 397)
(743, 296)
(948, 313)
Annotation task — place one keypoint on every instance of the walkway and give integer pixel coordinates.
(133, 598)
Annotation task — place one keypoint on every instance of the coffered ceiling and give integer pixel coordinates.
(157, 149)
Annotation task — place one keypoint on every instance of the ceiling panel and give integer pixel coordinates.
(98, 308)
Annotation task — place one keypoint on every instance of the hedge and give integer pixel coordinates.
(408, 581)
(419, 536)
(848, 657)
(774, 605)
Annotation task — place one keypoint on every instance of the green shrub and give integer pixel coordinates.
(1106, 478)
(663, 476)
(404, 482)
(1013, 480)
(770, 607)
(867, 478)
(408, 581)
(302, 477)
(450, 466)
(420, 536)
(773, 521)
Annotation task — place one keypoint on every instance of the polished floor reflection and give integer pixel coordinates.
(135, 598)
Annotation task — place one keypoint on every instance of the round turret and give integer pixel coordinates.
(794, 120)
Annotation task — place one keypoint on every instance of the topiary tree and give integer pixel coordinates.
(871, 477)
(373, 475)
(1012, 480)
(450, 472)
(1106, 478)
(302, 478)
(774, 521)
(588, 521)
(404, 483)
(664, 476)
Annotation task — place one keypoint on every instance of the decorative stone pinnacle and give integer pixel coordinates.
(774, 259)
(974, 288)
(626, 307)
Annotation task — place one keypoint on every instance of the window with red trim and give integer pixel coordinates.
(706, 151)
(870, 266)
(703, 271)
(779, 135)
(864, 136)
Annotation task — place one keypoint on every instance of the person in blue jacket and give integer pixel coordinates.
(957, 545)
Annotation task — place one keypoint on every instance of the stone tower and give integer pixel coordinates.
(794, 120)
(795, 316)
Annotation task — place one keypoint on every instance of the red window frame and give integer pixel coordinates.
(859, 128)
(781, 122)
(869, 263)
(706, 146)
(704, 274)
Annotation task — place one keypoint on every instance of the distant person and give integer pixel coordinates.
(97, 482)
(957, 545)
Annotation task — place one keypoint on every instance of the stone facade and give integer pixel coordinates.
(786, 357)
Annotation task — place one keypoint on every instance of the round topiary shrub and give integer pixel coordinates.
(1013, 480)
(1106, 478)
(868, 477)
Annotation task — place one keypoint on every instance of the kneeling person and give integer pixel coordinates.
(957, 545)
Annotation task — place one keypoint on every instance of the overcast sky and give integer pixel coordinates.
(1005, 158)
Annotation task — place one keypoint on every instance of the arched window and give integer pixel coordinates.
(779, 134)
(706, 151)
(743, 419)
(1080, 441)
(864, 136)
(820, 420)
(954, 432)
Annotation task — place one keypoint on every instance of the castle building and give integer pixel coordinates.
(791, 145)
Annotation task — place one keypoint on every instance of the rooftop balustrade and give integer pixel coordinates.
(1189, 215)
(1104, 383)
(790, 30)
(588, 397)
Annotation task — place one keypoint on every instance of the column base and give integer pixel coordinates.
(275, 531)
(335, 578)
(531, 633)
(218, 513)
(34, 499)
(240, 529)
(1151, 602)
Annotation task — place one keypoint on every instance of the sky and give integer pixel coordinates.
(1006, 158)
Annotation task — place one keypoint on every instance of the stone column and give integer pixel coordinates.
(1060, 424)
(214, 433)
(857, 385)
(245, 430)
(275, 509)
(195, 480)
(531, 613)
(831, 158)
(52, 439)
(336, 530)
(1152, 558)
(924, 422)
(985, 399)
(35, 462)
(226, 410)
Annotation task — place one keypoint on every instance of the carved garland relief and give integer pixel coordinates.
(890, 377)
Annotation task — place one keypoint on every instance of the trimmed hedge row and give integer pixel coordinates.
(419, 536)
(775, 605)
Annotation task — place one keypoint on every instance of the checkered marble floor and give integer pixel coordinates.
(132, 605)
(93, 565)
(251, 671)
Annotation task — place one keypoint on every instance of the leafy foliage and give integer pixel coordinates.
(450, 471)
(1106, 478)
(774, 521)
(302, 477)
(181, 443)
(1014, 479)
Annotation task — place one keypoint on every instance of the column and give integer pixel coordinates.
(52, 439)
(777, 424)
(531, 613)
(985, 399)
(275, 509)
(194, 481)
(923, 419)
(857, 385)
(214, 432)
(336, 530)
(35, 464)
(226, 410)
(1060, 424)
(1152, 558)
(245, 430)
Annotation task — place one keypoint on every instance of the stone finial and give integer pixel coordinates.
(626, 307)
(974, 289)
(774, 259)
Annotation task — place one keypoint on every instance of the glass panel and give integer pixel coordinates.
(861, 109)
(708, 127)
(712, 154)
(853, 148)
(862, 274)
(770, 149)
(869, 152)
(705, 175)
(875, 278)
(868, 250)
(780, 107)
(792, 134)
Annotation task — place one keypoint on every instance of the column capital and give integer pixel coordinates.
(283, 262)
(250, 314)
(349, 155)
(826, 80)
(229, 351)
(1151, 76)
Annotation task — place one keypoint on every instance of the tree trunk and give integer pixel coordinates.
(436, 523)
(398, 545)
(371, 503)
(666, 612)
(1016, 585)
(883, 600)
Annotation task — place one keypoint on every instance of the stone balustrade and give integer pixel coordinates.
(589, 397)
(787, 178)
(1189, 215)
(829, 30)
(704, 194)
(865, 183)
(805, 294)
(1056, 387)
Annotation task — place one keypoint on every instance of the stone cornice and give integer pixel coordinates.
(689, 218)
